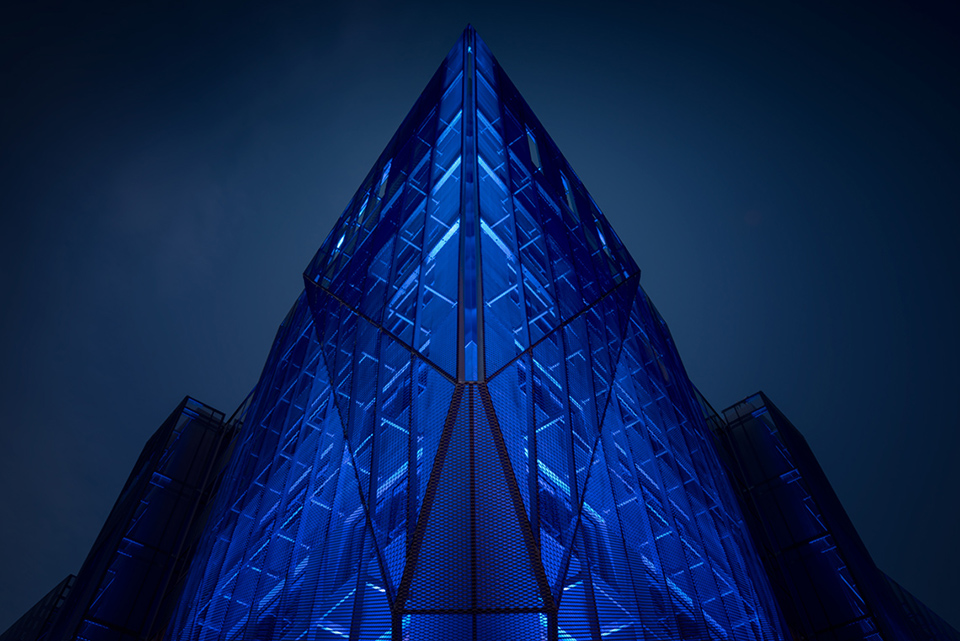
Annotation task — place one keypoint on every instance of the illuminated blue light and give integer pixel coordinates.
(473, 418)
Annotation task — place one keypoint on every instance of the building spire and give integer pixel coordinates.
(471, 238)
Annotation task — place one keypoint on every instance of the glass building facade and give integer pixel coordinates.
(474, 424)
(826, 583)
(126, 588)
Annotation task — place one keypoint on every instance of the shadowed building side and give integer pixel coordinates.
(127, 586)
(826, 582)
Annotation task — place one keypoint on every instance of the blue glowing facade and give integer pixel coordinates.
(473, 424)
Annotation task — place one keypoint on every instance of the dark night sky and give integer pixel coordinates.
(786, 177)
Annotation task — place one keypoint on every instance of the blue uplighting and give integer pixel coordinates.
(473, 424)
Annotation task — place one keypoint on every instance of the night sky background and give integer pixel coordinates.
(787, 176)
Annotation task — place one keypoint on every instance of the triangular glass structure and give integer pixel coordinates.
(473, 424)
(475, 551)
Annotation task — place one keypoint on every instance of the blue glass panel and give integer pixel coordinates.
(512, 396)
(273, 493)
(565, 279)
(383, 181)
(400, 313)
(389, 256)
(470, 295)
(603, 554)
(432, 398)
(660, 441)
(560, 182)
(556, 480)
(604, 341)
(632, 493)
(536, 270)
(435, 334)
(504, 309)
(361, 421)
(372, 618)
(364, 476)
(390, 444)
(337, 580)
(375, 281)
(581, 398)
(577, 612)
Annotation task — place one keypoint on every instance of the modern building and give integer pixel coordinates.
(474, 424)
(827, 585)
(128, 582)
(36, 622)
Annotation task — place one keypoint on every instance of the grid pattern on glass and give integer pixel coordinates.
(539, 251)
(290, 546)
(389, 257)
(545, 243)
(560, 484)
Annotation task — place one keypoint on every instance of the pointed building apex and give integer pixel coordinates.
(470, 182)
(475, 426)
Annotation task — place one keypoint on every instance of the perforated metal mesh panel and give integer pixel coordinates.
(474, 424)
